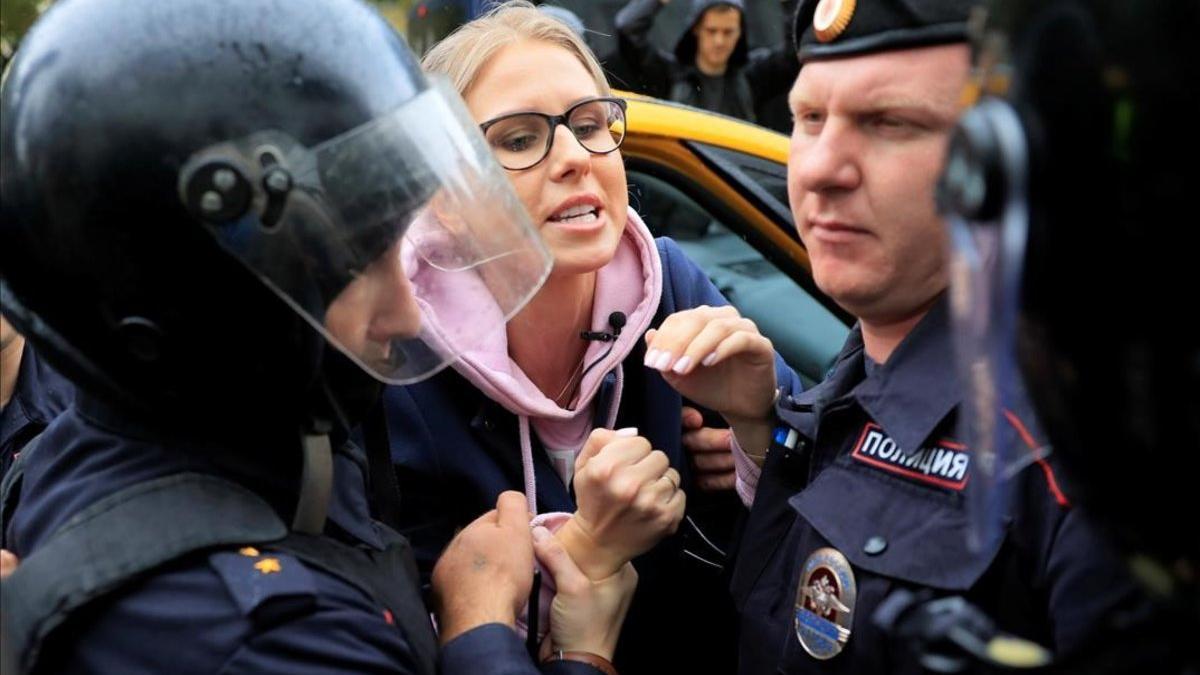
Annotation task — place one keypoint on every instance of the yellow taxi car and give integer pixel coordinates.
(718, 186)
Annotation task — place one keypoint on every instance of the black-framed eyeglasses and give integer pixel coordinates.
(522, 140)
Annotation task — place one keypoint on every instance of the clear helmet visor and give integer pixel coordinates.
(356, 232)
(987, 234)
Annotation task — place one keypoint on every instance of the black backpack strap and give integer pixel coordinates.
(120, 537)
(388, 576)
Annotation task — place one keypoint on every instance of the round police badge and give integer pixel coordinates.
(825, 603)
(831, 18)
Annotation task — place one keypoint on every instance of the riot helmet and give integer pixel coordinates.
(1069, 188)
(200, 196)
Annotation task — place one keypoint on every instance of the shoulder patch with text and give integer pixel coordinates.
(943, 463)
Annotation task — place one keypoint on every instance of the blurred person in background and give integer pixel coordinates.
(710, 65)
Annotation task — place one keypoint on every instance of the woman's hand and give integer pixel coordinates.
(586, 615)
(717, 358)
(628, 497)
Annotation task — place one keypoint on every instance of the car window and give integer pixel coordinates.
(804, 331)
(764, 180)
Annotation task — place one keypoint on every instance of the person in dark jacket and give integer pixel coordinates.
(710, 66)
(211, 250)
(860, 553)
(518, 411)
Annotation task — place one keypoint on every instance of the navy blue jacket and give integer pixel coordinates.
(876, 471)
(223, 611)
(39, 396)
(456, 451)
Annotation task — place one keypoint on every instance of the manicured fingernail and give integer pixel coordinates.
(540, 533)
(709, 360)
(664, 359)
(682, 365)
(651, 357)
(627, 432)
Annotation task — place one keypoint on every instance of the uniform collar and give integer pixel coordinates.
(847, 370)
(909, 396)
(802, 411)
(914, 391)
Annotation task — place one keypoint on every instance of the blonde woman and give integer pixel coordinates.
(523, 413)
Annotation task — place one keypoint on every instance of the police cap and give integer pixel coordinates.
(824, 29)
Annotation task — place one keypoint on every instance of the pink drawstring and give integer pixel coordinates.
(527, 464)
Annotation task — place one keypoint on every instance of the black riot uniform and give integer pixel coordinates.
(187, 188)
(1078, 150)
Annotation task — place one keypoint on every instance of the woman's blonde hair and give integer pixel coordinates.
(463, 53)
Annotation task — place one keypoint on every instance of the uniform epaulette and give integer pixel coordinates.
(262, 583)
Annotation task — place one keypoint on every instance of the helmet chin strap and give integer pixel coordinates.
(340, 391)
(316, 482)
(316, 477)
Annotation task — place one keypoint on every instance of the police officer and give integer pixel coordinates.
(1079, 142)
(860, 545)
(205, 209)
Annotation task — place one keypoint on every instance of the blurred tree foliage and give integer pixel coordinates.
(16, 16)
(395, 11)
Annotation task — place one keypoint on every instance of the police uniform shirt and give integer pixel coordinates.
(870, 497)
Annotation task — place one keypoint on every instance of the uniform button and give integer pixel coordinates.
(875, 545)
